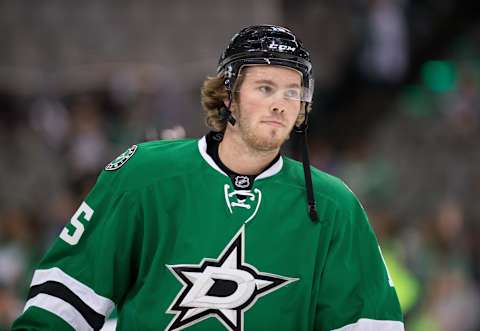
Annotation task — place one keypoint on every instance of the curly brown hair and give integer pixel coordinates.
(213, 95)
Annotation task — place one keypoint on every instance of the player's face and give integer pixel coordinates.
(268, 105)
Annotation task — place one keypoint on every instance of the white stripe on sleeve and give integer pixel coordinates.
(100, 304)
(61, 308)
(365, 324)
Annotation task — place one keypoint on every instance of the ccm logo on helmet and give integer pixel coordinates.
(281, 48)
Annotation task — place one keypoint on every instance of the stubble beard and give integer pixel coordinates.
(271, 139)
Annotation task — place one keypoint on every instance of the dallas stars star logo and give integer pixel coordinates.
(223, 288)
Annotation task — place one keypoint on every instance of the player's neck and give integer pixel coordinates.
(241, 158)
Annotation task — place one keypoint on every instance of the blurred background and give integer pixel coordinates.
(396, 116)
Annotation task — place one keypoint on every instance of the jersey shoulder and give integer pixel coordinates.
(325, 186)
(144, 163)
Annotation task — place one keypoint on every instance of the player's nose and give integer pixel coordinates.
(279, 106)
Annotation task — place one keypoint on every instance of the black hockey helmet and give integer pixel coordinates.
(265, 44)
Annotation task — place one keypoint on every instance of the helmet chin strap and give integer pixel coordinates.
(302, 130)
(227, 111)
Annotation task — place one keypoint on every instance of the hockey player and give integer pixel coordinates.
(222, 233)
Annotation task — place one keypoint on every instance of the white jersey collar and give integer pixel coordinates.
(273, 170)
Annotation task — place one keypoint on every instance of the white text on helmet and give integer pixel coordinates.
(281, 48)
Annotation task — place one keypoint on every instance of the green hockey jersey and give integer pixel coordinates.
(166, 238)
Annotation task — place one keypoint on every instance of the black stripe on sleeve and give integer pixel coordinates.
(60, 291)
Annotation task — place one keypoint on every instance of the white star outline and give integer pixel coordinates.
(232, 319)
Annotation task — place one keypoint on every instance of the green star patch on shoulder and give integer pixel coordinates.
(121, 159)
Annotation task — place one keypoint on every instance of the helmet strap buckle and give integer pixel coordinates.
(226, 111)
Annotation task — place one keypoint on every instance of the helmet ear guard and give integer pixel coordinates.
(302, 126)
(271, 45)
(226, 111)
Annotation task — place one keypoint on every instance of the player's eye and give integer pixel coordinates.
(292, 94)
(265, 89)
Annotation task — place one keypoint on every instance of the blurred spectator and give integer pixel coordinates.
(10, 307)
(384, 57)
(87, 150)
(461, 104)
(451, 303)
(17, 244)
(49, 117)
